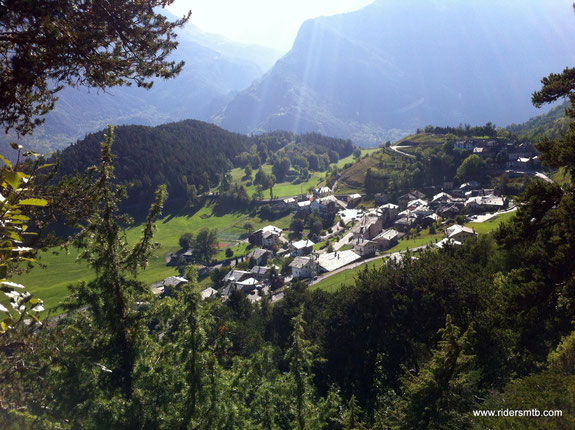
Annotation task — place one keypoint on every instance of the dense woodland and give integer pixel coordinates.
(191, 157)
(551, 124)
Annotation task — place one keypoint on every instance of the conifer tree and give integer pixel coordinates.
(439, 395)
(109, 322)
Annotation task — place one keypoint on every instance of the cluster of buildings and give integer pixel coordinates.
(322, 200)
(506, 153)
(374, 230)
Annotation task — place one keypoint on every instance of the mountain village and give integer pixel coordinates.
(277, 258)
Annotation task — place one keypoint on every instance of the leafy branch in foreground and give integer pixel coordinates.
(17, 198)
(45, 45)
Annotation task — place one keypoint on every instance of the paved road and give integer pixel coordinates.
(342, 242)
(394, 255)
(539, 175)
(396, 149)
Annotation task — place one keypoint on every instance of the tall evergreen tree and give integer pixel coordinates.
(441, 393)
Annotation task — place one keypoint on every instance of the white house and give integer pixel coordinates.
(302, 247)
(303, 267)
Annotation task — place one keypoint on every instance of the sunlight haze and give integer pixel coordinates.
(263, 22)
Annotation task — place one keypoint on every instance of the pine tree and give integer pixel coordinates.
(109, 319)
(440, 394)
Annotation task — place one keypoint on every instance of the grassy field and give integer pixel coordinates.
(425, 238)
(283, 189)
(384, 161)
(286, 189)
(347, 277)
(61, 270)
(491, 224)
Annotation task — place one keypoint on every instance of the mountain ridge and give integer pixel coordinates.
(396, 66)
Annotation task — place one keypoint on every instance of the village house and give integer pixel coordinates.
(303, 267)
(446, 241)
(270, 239)
(239, 280)
(302, 247)
(365, 248)
(327, 206)
(387, 213)
(440, 199)
(304, 205)
(459, 233)
(207, 293)
(387, 239)
(289, 203)
(448, 211)
(186, 256)
(353, 200)
(234, 276)
(406, 198)
(261, 273)
(381, 198)
(336, 260)
(323, 191)
(367, 228)
(471, 185)
(417, 203)
(260, 256)
(405, 223)
(429, 220)
(166, 287)
(485, 203)
(257, 237)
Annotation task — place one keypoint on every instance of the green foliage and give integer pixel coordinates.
(472, 169)
(17, 201)
(206, 244)
(441, 393)
(186, 240)
(551, 125)
(43, 47)
(147, 157)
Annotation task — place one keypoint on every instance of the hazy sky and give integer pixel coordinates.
(272, 23)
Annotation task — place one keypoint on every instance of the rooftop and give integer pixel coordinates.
(335, 260)
(300, 262)
(301, 244)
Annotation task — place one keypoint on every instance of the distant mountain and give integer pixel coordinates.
(550, 124)
(262, 56)
(215, 69)
(396, 65)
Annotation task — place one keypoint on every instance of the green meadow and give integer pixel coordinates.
(56, 269)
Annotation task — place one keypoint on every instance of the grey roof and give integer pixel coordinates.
(387, 235)
(235, 275)
(171, 281)
(258, 253)
(300, 244)
(300, 262)
(208, 292)
(406, 221)
(270, 234)
(260, 270)
(335, 260)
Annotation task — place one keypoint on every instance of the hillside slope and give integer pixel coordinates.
(215, 68)
(396, 65)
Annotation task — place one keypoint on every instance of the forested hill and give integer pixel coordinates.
(194, 155)
(183, 152)
(550, 124)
